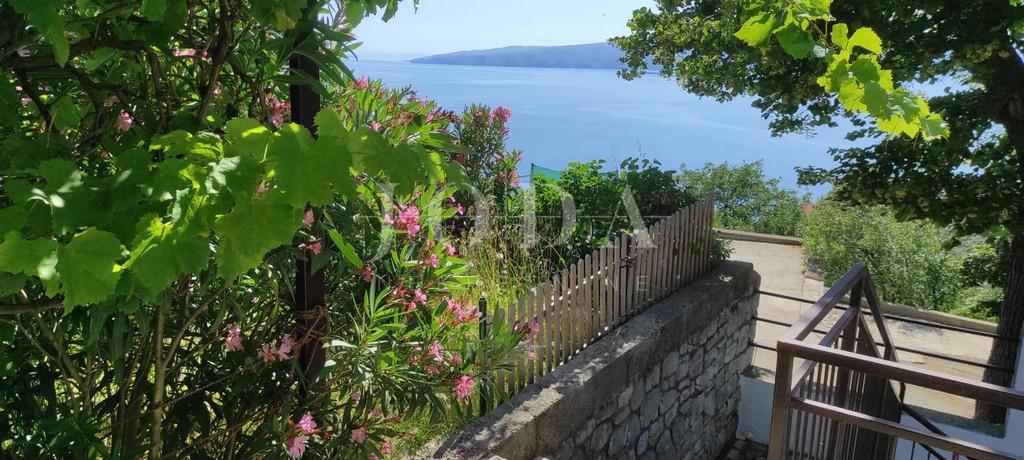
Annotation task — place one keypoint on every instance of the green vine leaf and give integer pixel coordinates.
(45, 16)
(865, 38)
(32, 257)
(88, 267)
(252, 229)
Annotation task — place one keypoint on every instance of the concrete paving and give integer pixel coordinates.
(782, 271)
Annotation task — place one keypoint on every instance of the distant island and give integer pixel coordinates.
(588, 56)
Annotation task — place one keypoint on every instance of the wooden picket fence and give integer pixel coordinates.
(596, 294)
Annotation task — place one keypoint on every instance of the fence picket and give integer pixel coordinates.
(601, 290)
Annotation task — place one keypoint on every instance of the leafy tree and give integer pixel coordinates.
(908, 260)
(597, 196)
(745, 199)
(155, 205)
(972, 179)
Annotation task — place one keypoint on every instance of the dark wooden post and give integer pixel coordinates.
(310, 302)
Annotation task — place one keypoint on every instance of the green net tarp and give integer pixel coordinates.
(540, 171)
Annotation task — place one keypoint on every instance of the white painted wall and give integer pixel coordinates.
(755, 409)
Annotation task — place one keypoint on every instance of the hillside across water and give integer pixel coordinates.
(588, 56)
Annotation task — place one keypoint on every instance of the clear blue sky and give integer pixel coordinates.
(440, 26)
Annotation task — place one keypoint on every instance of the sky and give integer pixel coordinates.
(442, 26)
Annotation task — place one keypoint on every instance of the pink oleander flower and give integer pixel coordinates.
(307, 424)
(297, 446)
(459, 210)
(455, 358)
(419, 297)
(362, 83)
(233, 341)
(277, 110)
(463, 313)
(436, 351)
(267, 353)
(502, 113)
(307, 218)
(358, 435)
(409, 220)
(432, 370)
(410, 306)
(375, 125)
(316, 247)
(124, 122)
(367, 273)
(287, 342)
(450, 250)
(385, 448)
(463, 387)
(434, 261)
(186, 52)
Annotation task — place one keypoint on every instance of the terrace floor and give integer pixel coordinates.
(782, 271)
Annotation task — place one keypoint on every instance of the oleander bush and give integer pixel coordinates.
(157, 207)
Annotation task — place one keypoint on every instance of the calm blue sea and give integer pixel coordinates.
(565, 115)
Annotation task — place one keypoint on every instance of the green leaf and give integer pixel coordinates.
(796, 41)
(934, 127)
(757, 30)
(11, 284)
(866, 69)
(302, 171)
(252, 229)
(840, 35)
(153, 9)
(345, 248)
(354, 13)
(31, 257)
(45, 16)
(866, 38)
(333, 150)
(876, 100)
(166, 251)
(246, 136)
(88, 267)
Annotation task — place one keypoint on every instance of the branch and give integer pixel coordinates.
(21, 308)
(30, 89)
(220, 54)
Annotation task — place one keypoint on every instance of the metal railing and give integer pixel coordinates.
(841, 396)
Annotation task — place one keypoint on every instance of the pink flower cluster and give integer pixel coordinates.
(270, 354)
(358, 435)
(463, 387)
(277, 110)
(450, 250)
(233, 340)
(124, 122)
(502, 114)
(362, 83)
(367, 273)
(463, 313)
(408, 219)
(436, 351)
(297, 444)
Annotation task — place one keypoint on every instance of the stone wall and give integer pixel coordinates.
(664, 385)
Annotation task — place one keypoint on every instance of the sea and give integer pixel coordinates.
(576, 115)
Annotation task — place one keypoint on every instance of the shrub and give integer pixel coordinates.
(597, 195)
(907, 260)
(745, 199)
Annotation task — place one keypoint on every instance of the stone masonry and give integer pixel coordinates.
(664, 386)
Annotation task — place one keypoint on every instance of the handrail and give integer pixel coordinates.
(862, 386)
(943, 382)
(882, 425)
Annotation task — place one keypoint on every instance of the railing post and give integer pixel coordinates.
(483, 334)
(778, 444)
